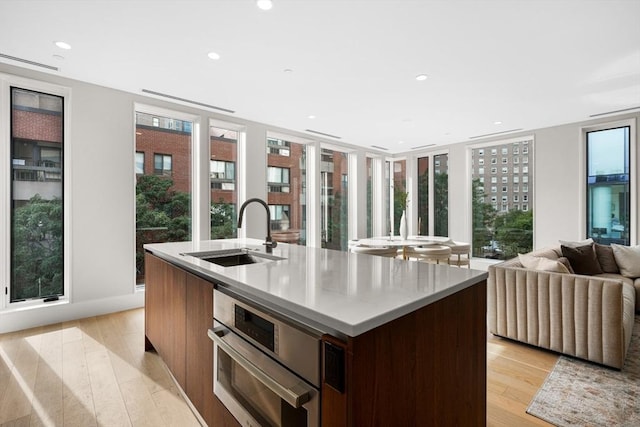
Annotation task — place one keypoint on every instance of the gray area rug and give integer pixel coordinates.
(578, 393)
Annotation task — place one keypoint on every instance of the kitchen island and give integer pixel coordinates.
(412, 335)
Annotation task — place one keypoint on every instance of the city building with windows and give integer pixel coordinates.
(505, 174)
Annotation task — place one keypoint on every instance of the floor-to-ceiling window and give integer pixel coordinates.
(37, 197)
(286, 190)
(435, 177)
(400, 193)
(423, 195)
(608, 185)
(441, 194)
(387, 198)
(163, 181)
(502, 198)
(369, 166)
(223, 173)
(334, 175)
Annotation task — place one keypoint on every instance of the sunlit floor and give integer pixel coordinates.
(90, 372)
(95, 372)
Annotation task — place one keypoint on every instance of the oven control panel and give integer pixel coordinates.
(255, 326)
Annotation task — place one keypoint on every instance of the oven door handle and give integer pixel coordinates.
(296, 397)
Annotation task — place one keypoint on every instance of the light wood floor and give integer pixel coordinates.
(95, 372)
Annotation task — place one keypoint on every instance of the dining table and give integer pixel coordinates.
(399, 242)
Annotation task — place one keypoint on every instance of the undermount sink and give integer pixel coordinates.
(233, 257)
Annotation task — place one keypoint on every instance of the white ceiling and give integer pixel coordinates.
(528, 64)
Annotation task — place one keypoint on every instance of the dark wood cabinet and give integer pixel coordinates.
(199, 357)
(165, 293)
(178, 313)
(425, 368)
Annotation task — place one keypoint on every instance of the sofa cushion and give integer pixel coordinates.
(606, 258)
(628, 259)
(572, 244)
(565, 261)
(542, 264)
(583, 259)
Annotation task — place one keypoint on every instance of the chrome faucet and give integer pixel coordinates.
(269, 243)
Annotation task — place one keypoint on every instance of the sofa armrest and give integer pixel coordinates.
(582, 316)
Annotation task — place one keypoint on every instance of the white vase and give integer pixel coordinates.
(403, 227)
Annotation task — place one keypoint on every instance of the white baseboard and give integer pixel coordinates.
(16, 320)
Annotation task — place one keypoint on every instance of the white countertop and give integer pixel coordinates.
(329, 290)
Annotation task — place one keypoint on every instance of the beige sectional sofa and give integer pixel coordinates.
(589, 317)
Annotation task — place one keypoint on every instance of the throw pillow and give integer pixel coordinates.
(542, 264)
(606, 258)
(628, 259)
(565, 261)
(571, 244)
(583, 259)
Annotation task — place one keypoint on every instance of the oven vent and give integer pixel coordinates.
(323, 134)
(615, 112)
(177, 98)
(26, 61)
(495, 133)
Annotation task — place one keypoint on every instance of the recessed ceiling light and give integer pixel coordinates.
(264, 4)
(288, 70)
(213, 55)
(400, 142)
(421, 77)
(63, 45)
(497, 122)
(311, 116)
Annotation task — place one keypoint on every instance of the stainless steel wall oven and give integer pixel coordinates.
(266, 369)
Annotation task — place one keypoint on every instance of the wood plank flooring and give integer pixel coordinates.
(95, 372)
(90, 372)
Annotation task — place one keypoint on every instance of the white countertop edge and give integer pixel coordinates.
(304, 315)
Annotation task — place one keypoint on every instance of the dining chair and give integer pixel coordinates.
(435, 253)
(460, 254)
(390, 252)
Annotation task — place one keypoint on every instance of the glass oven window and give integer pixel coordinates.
(267, 408)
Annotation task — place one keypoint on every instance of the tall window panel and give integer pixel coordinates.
(423, 195)
(502, 199)
(286, 190)
(400, 196)
(387, 196)
(608, 185)
(163, 182)
(441, 194)
(37, 209)
(334, 175)
(223, 173)
(369, 165)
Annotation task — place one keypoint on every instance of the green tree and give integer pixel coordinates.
(423, 202)
(441, 204)
(162, 214)
(223, 220)
(400, 198)
(483, 218)
(514, 232)
(37, 253)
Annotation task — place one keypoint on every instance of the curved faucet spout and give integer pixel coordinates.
(269, 243)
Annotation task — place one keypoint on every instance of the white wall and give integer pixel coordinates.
(102, 194)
